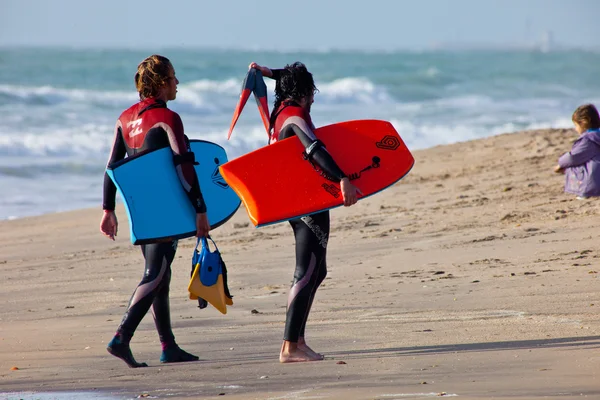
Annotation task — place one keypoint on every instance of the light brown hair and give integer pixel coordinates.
(587, 117)
(152, 74)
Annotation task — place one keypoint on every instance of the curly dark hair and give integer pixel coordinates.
(294, 83)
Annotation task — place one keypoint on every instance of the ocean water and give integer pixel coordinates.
(60, 396)
(59, 106)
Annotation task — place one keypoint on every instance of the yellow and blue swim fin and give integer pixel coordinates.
(209, 278)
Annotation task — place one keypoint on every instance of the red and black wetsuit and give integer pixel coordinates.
(150, 125)
(312, 231)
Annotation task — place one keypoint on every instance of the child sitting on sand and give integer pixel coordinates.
(582, 164)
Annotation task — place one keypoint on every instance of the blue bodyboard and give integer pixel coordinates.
(157, 206)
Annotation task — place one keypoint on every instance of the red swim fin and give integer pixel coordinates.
(263, 108)
(238, 109)
(247, 88)
(260, 94)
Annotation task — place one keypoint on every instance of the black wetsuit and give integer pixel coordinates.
(311, 232)
(150, 125)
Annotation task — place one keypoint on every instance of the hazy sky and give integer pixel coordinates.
(306, 24)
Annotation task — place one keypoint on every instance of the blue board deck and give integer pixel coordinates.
(157, 206)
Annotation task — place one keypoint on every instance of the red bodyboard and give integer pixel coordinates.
(276, 183)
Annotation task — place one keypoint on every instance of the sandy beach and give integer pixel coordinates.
(475, 277)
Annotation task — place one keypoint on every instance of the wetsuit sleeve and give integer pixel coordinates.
(580, 154)
(276, 74)
(117, 153)
(317, 152)
(184, 164)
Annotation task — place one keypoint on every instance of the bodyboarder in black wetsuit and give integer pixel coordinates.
(291, 116)
(150, 125)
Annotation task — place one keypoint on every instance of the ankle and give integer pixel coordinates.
(122, 338)
(117, 341)
(169, 345)
(289, 347)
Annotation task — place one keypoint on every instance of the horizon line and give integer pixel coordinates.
(433, 47)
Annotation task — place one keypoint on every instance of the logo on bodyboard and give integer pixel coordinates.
(389, 142)
(332, 190)
(376, 163)
(217, 178)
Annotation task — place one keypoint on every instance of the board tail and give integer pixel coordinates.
(253, 83)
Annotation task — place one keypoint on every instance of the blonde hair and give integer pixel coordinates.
(152, 74)
(587, 117)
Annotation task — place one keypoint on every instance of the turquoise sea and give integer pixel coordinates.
(59, 106)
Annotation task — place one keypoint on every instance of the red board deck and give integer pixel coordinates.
(276, 183)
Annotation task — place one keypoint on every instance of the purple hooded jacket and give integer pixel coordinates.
(582, 165)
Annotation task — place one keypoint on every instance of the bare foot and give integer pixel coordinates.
(290, 352)
(304, 347)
